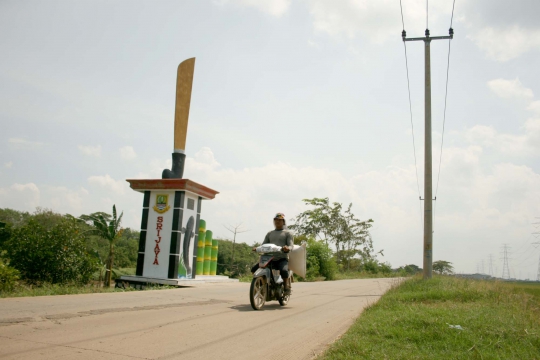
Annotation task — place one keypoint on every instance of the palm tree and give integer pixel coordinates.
(108, 227)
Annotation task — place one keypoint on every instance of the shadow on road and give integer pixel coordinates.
(268, 307)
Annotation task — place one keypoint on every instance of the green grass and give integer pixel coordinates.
(411, 321)
(345, 275)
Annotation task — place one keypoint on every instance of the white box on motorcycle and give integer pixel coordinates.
(297, 260)
(297, 257)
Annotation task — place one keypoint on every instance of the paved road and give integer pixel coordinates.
(213, 321)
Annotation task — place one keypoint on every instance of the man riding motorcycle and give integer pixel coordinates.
(280, 237)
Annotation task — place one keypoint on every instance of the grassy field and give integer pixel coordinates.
(414, 321)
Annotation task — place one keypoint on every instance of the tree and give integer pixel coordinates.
(331, 224)
(235, 230)
(244, 259)
(320, 260)
(107, 227)
(56, 255)
(443, 267)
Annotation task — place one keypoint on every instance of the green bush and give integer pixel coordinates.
(8, 275)
(312, 268)
(325, 259)
(54, 254)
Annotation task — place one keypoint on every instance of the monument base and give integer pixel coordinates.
(141, 282)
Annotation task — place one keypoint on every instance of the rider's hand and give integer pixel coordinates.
(285, 249)
(254, 249)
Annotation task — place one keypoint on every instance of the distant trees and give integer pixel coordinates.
(334, 224)
(244, 258)
(443, 267)
(410, 269)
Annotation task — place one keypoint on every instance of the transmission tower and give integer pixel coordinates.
(506, 269)
(538, 273)
(490, 265)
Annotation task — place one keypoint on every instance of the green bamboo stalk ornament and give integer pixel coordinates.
(200, 247)
(207, 252)
(213, 263)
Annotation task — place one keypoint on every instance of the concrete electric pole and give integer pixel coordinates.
(428, 175)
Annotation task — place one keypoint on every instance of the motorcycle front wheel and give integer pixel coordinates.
(285, 299)
(257, 293)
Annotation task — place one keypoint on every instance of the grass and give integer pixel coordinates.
(345, 275)
(412, 321)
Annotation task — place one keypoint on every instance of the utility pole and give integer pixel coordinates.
(428, 176)
(490, 265)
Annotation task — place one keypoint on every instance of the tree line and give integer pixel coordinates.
(47, 247)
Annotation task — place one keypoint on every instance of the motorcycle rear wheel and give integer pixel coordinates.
(257, 293)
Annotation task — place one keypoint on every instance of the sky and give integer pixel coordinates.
(291, 100)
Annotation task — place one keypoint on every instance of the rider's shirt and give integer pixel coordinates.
(279, 238)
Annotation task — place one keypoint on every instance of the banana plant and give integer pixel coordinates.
(107, 227)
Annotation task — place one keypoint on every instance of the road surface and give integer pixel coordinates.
(213, 321)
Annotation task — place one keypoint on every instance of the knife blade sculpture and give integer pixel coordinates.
(184, 83)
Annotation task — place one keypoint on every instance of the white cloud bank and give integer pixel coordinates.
(377, 21)
(90, 150)
(506, 43)
(272, 7)
(510, 89)
(106, 182)
(128, 153)
(525, 144)
(20, 197)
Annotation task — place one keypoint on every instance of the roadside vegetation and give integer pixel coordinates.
(447, 318)
(49, 253)
(46, 253)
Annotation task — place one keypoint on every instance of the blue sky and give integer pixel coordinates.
(291, 100)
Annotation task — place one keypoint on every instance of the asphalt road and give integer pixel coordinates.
(213, 321)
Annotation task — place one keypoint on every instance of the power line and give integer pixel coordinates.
(445, 99)
(411, 115)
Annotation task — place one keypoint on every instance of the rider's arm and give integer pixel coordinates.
(290, 241)
(266, 239)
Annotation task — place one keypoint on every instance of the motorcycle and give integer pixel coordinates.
(267, 284)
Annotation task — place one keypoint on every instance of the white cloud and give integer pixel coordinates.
(510, 89)
(272, 7)
(90, 150)
(20, 143)
(107, 182)
(471, 198)
(504, 44)
(65, 200)
(128, 153)
(9, 164)
(376, 20)
(534, 107)
(24, 197)
(526, 144)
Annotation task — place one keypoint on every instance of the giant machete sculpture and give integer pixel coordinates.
(184, 84)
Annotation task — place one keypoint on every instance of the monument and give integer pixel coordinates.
(171, 216)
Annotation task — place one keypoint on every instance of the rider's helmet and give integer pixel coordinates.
(282, 217)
